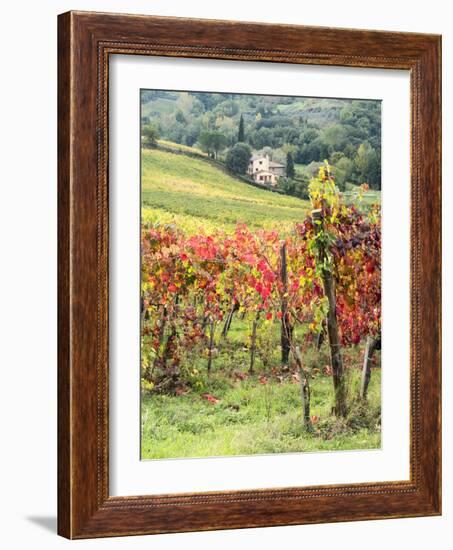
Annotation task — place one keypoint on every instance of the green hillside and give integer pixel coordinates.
(194, 193)
(346, 132)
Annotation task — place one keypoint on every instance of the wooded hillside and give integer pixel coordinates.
(345, 132)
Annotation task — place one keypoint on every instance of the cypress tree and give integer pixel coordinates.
(290, 171)
(241, 134)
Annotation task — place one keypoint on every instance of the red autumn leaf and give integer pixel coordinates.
(210, 398)
(262, 266)
(268, 276)
(369, 266)
(265, 293)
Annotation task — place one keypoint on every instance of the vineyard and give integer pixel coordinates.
(193, 193)
(257, 337)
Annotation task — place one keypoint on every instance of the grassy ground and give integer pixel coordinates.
(252, 417)
(194, 194)
(255, 418)
(372, 196)
(180, 148)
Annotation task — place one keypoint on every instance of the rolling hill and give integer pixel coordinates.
(195, 193)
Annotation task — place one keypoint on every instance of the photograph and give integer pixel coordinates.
(260, 274)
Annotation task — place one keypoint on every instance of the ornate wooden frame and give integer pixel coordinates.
(85, 41)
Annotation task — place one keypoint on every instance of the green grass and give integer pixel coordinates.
(195, 193)
(372, 196)
(178, 147)
(256, 418)
(252, 418)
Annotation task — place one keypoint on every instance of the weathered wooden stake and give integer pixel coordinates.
(370, 346)
(229, 319)
(332, 324)
(304, 390)
(168, 345)
(286, 329)
(253, 343)
(211, 343)
(320, 336)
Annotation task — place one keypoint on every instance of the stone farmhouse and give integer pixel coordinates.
(264, 171)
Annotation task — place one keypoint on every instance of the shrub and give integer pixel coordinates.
(150, 136)
(238, 158)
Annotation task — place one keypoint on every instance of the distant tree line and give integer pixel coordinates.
(298, 132)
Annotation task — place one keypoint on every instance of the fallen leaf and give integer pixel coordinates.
(210, 398)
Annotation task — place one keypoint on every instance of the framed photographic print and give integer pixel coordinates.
(249, 275)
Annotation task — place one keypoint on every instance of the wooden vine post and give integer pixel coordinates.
(229, 318)
(288, 344)
(371, 345)
(304, 390)
(211, 344)
(332, 324)
(253, 343)
(286, 330)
